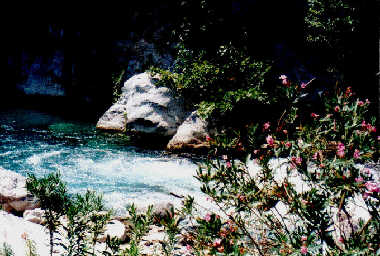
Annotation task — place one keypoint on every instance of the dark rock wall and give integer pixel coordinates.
(95, 43)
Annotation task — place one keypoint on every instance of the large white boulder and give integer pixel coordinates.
(14, 231)
(144, 107)
(13, 193)
(191, 134)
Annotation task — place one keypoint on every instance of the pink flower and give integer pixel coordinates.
(270, 140)
(208, 138)
(220, 249)
(255, 151)
(288, 144)
(207, 217)
(217, 242)
(348, 91)
(364, 125)
(303, 238)
(315, 156)
(314, 115)
(360, 103)
(304, 249)
(266, 125)
(341, 239)
(303, 85)
(285, 131)
(367, 101)
(242, 198)
(285, 80)
(340, 150)
(188, 247)
(24, 236)
(359, 180)
(228, 164)
(371, 128)
(356, 154)
(366, 171)
(337, 109)
(372, 186)
(340, 153)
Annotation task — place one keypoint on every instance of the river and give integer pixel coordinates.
(33, 141)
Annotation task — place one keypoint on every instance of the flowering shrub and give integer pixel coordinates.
(299, 195)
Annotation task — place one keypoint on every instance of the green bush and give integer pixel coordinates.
(216, 84)
(53, 197)
(6, 250)
(86, 214)
(330, 27)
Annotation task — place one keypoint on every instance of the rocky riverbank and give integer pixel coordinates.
(16, 231)
(21, 221)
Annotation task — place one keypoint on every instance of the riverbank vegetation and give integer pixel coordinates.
(294, 194)
(288, 166)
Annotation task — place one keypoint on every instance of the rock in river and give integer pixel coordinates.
(145, 108)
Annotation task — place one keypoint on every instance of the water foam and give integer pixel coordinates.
(122, 173)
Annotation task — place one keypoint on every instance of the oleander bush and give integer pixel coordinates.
(301, 203)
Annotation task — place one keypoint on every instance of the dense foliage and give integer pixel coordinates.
(216, 84)
(302, 202)
(330, 29)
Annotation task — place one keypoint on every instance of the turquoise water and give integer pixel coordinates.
(37, 142)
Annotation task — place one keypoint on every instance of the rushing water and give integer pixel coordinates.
(40, 143)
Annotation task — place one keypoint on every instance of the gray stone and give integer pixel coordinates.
(13, 193)
(191, 134)
(115, 119)
(144, 108)
(162, 209)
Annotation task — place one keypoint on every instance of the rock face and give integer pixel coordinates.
(13, 193)
(14, 231)
(144, 108)
(191, 134)
(43, 76)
